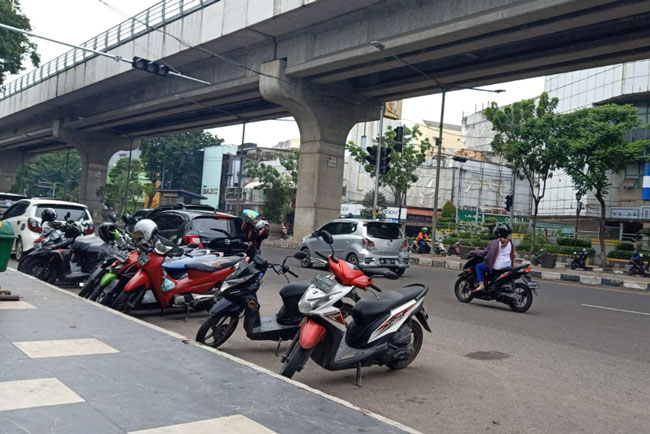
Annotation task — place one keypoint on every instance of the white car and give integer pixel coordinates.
(25, 219)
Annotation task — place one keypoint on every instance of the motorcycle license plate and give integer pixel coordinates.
(533, 285)
(143, 259)
(323, 283)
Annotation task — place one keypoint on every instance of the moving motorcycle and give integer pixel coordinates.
(237, 297)
(386, 329)
(636, 265)
(579, 260)
(512, 286)
(173, 283)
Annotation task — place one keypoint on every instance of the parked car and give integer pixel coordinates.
(8, 199)
(365, 243)
(136, 217)
(25, 219)
(208, 229)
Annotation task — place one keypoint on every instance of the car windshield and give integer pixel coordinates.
(76, 212)
(212, 227)
(385, 231)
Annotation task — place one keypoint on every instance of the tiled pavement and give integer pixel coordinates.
(70, 366)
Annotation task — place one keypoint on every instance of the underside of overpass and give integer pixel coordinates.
(323, 50)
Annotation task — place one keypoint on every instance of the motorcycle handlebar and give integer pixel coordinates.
(321, 255)
(375, 287)
(292, 273)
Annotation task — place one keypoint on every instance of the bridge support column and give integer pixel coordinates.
(324, 120)
(10, 161)
(95, 150)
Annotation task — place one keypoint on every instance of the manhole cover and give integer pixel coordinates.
(487, 355)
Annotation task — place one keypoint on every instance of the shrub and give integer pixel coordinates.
(627, 246)
(620, 254)
(568, 241)
(524, 246)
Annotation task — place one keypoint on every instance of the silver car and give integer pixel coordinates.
(364, 243)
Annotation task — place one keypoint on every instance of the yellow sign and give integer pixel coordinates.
(393, 109)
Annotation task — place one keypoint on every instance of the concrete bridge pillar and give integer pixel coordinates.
(324, 117)
(95, 149)
(10, 161)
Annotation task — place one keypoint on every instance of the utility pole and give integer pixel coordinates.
(438, 158)
(240, 206)
(381, 138)
(512, 193)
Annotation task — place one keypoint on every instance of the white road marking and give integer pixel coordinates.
(7, 305)
(236, 424)
(64, 347)
(40, 392)
(617, 310)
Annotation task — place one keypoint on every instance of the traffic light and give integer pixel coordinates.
(372, 155)
(384, 163)
(508, 202)
(399, 139)
(157, 68)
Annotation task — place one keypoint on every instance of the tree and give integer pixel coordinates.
(367, 212)
(178, 159)
(529, 138)
(595, 137)
(447, 218)
(279, 188)
(50, 169)
(403, 163)
(14, 47)
(115, 189)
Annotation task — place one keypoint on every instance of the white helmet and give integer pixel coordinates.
(144, 230)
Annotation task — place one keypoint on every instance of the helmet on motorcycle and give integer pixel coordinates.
(502, 230)
(424, 229)
(144, 230)
(48, 215)
(106, 232)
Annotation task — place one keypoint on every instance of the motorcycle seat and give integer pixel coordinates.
(210, 266)
(369, 309)
(180, 263)
(87, 246)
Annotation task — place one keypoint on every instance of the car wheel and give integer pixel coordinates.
(306, 261)
(398, 271)
(19, 249)
(353, 259)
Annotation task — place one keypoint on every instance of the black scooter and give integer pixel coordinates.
(512, 286)
(579, 260)
(239, 294)
(636, 266)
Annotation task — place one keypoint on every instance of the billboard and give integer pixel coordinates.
(393, 109)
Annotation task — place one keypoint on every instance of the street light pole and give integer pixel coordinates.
(438, 158)
(378, 162)
(240, 206)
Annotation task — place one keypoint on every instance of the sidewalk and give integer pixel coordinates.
(71, 366)
(616, 278)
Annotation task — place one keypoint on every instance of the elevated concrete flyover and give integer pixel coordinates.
(327, 74)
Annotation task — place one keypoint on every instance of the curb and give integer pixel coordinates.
(553, 276)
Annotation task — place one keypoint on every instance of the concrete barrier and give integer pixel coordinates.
(549, 275)
(634, 284)
(591, 280)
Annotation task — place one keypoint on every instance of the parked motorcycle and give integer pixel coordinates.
(636, 266)
(579, 260)
(383, 329)
(237, 297)
(536, 256)
(512, 286)
(183, 284)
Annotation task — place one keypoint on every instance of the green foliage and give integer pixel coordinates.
(520, 228)
(623, 254)
(14, 47)
(403, 165)
(568, 241)
(626, 246)
(180, 156)
(595, 139)
(527, 137)
(368, 203)
(525, 247)
(51, 167)
(115, 189)
(448, 210)
(279, 188)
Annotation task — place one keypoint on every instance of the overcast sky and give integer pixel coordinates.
(76, 21)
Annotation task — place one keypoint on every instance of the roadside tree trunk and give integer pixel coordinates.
(601, 230)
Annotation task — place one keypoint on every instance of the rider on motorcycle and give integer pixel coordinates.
(500, 255)
(421, 240)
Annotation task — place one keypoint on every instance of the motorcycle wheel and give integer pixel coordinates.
(573, 265)
(297, 358)
(399, 271)
(89, 288)
(463, 290)
(110, 292)
(217, 329)
(128, 300)
(42, 269)
(417, 336)
(523, 298)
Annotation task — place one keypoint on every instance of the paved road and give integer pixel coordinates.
(571, 364)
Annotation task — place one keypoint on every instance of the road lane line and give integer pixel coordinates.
(617, 310)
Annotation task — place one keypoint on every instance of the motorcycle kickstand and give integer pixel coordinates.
(358, 379)
(277, 349)
(187, 311)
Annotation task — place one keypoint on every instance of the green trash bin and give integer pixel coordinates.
(7, 238)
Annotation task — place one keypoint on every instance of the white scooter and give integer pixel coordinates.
(383, 330)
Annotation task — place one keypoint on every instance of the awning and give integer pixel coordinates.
(419, 211)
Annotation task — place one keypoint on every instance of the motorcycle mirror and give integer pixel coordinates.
(391, 275)
(112, 217)
(326, 236)
(314, 234)
(300, 255)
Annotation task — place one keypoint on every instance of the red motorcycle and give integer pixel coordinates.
(184, 283)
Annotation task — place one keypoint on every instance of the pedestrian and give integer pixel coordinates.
(500, 255)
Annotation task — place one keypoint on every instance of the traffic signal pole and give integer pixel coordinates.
(378, 163)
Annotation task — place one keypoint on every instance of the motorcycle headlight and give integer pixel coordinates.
(306, 305)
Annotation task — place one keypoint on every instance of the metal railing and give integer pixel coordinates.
(146, 21)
